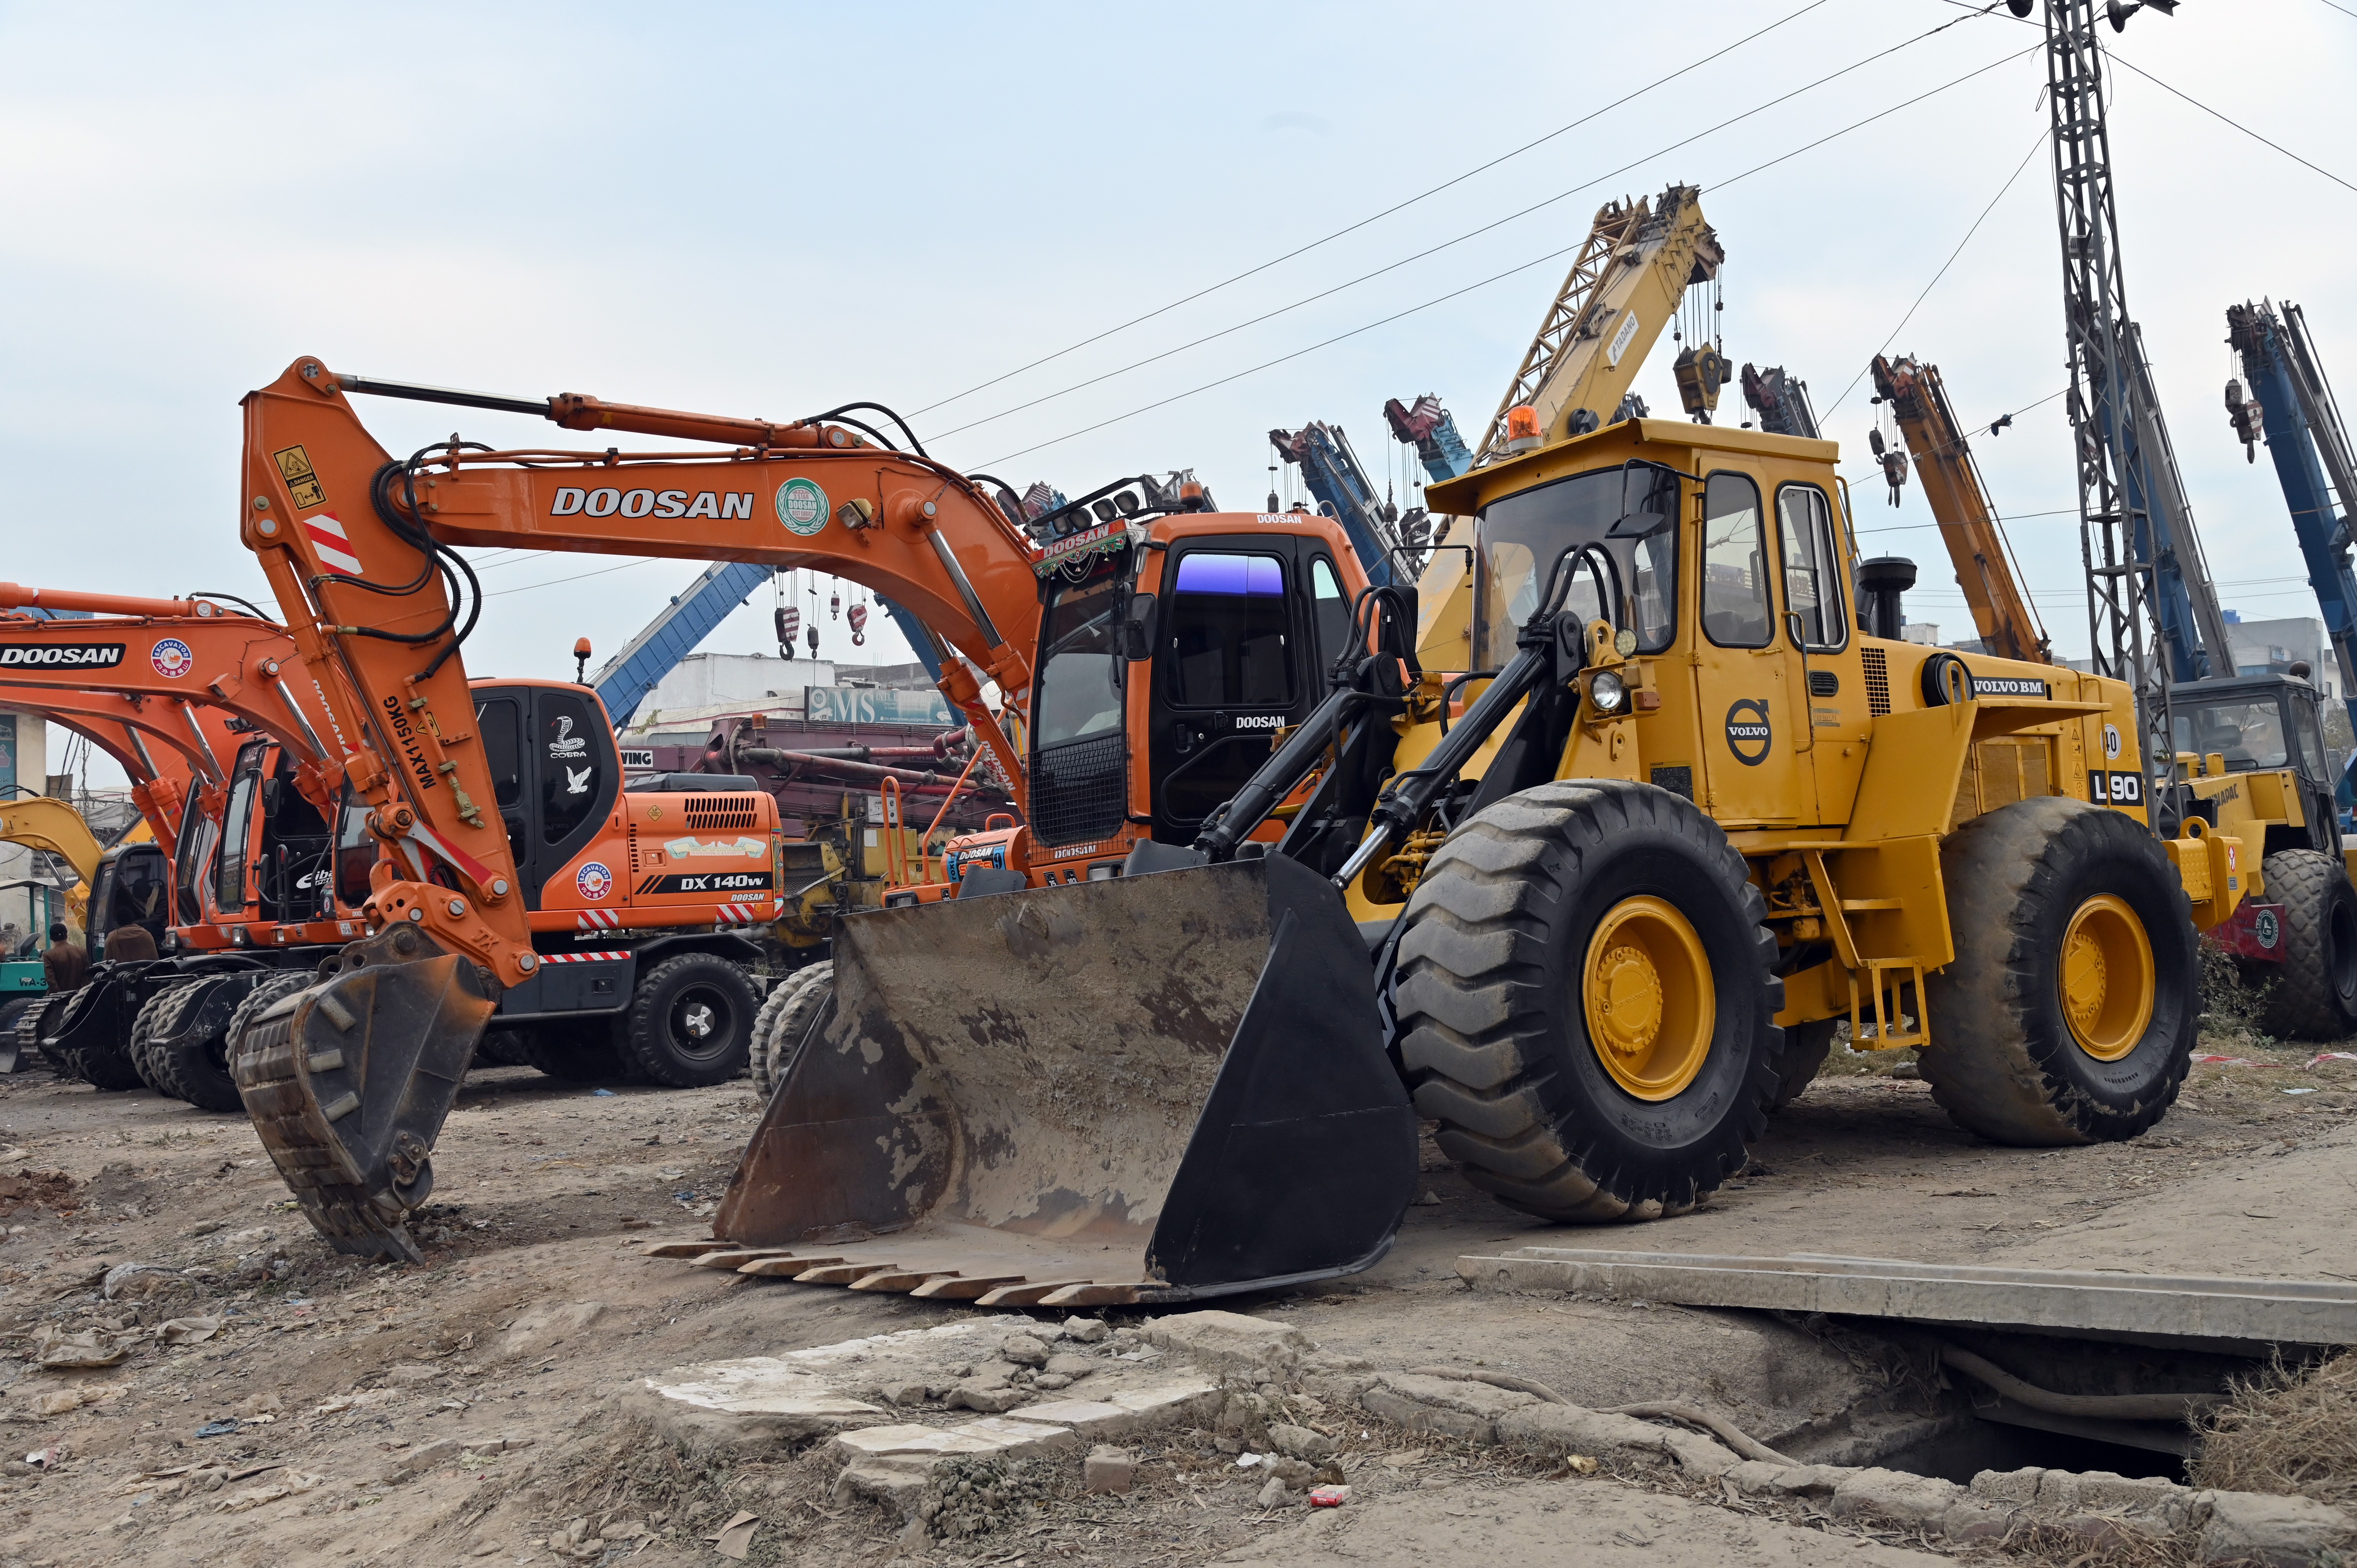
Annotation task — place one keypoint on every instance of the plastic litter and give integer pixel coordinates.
(214, 1429)
(1246, 1461)
(601, 1094)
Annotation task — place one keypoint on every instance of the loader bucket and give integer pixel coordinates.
(1155, 1089)
(349, 1081)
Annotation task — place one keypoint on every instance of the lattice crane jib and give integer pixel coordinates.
(2153, 614)
(1624, 287)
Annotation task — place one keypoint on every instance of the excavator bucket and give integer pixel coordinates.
(349, 1081)
(1155, 1089)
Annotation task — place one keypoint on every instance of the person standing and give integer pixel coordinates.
(129, 944)
(65, 963)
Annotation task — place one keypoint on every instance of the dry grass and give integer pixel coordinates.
(2287, 1431)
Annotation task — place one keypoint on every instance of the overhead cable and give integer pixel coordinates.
(1469, 288)
(1460, 239)
(1386, 212)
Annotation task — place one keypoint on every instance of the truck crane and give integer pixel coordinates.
(2241, 752)
(2002, 613)
(1781, 401)
(2297, 415)
(1431, 429)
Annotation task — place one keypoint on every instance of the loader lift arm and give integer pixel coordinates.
(2002, 613)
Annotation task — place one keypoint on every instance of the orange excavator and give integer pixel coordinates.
(645, 899)
(1154, 655)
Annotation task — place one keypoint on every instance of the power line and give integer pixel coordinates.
(2278, 147)
(1951, 262)
(1453, 293)
(2342, 9)
(1304, 250)
(1458, 240)
(577, 576)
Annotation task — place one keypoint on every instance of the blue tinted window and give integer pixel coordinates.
(1209, 572)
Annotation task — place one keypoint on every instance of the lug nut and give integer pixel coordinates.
(457, 905)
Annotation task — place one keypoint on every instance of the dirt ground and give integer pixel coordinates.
(277, 1436)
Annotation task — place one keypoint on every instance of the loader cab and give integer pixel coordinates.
(555, 771)
(1719, 558)
(2262, 726)
(1189, 654)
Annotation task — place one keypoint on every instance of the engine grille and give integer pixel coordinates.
(1877, 680)
(1081, 791)
(707, 813)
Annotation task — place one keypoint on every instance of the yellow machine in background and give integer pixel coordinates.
(1624, 288)
(44, 823)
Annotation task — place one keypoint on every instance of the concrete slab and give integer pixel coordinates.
(1123, 1412)
(2178, 1310)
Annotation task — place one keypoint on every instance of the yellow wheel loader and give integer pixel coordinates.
(1694, 815)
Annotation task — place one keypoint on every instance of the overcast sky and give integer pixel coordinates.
(769, 211)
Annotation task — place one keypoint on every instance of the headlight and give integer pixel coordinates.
(1606, 690)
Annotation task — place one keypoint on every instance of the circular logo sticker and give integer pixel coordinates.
(801, 507)
(1747, 732)
(171, 658)
(594, 881)
(2266, 927)
(2112, 742)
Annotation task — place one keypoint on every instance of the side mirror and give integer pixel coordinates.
(271, 790)
(1137, 631)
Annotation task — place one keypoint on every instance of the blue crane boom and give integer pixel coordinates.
(2313, 463)
(691, 617)
(1432, 431)
(1331, 471)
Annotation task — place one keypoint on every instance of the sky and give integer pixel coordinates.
(962, 212)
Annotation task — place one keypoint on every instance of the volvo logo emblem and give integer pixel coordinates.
(1747, 732)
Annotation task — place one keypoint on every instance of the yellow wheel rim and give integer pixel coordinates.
(1646, 989)
(2107, 978)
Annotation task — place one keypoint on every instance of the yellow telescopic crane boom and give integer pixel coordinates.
(2002, 613)
(1633, 269)
(1638, 262)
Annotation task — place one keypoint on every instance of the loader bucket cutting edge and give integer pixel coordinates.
(1155, 1089)
(348, 1083)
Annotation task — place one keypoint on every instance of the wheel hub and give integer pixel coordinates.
(2107, 979)
(1647, 993)
(697, 1021)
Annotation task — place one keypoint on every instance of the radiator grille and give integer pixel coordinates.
(1081, 791)
(707, 813)
(1877, 680)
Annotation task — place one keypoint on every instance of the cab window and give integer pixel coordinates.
(496, 719)
(1226, 632)
(1333, 609)
(1812, 572)
(1079, 660)
(571, 760)
(1734, 612)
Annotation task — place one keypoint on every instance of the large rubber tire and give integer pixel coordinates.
(585, 1052)
(2313, 993)
(785, 1020)
(1495, 1037)
(1806, 1046)
(159, 1019)
(2003, 1060)
(107, 1066)
(690, 1021)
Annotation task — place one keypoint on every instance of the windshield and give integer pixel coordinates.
(1519, 538)
(1080, 664)
(2248, 730)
